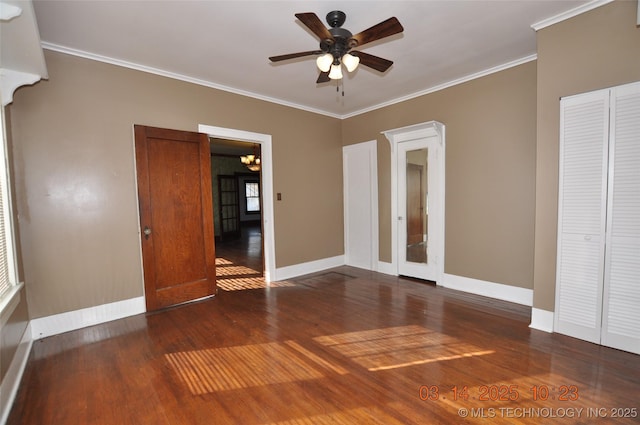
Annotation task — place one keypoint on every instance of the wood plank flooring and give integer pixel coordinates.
(239, 262)
(344, 346)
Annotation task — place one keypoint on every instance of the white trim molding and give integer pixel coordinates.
(8, 303)
(11, 80)
(289, 272)
(64, 322)
(266, 185)
(498, 291)
(406, 134)
(23, 58)
(541, 320)
(569, 14)
(457, 81)
(387, 268)
(11, 381)
(176, 76)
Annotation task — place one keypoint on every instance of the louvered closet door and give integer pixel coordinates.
(621, 315)
(582, 205)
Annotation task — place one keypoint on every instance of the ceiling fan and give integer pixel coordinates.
(336, 44)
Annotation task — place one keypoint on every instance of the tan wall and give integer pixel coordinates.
(75, 184)
(490, 171)
(592, 51)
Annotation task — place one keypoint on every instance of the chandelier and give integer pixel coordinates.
(252, 161)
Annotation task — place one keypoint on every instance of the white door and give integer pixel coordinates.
(598, 269)
(581, 227)
(360, 177)
(621, 298)
(417, 169)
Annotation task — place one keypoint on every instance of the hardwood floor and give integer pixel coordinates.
(343, 346)
(239, 262)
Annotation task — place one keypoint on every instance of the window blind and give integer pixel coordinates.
(5, 283)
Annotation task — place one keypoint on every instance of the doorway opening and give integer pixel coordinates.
(259, 238)
(237, 209)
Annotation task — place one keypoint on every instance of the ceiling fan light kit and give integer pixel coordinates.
(336, 44)
(336, 72)
(324, 62)
(350, 62)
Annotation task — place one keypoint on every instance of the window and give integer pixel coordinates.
(252, 196)
(5, 283)
(7, 264)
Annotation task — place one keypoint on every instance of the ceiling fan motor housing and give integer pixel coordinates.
(341, 43)
(336, 18)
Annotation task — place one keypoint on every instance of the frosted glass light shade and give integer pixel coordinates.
(324, 62)
(336, 72)
(350, 62)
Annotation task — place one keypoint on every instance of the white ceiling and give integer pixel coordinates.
(225, 44)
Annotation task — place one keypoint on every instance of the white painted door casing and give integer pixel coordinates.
(406, 134)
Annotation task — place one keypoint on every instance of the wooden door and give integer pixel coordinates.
(176, 215)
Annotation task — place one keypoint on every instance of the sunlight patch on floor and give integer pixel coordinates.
(245, 366)
(231, 270)
(222, 261)
(396, 347)
(238, 284)
(231, 277)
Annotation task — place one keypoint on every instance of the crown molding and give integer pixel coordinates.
(135, 66)
(569, 14)
(448, 84)
(176, 76)
(156, 71)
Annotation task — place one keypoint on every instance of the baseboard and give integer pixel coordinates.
(289, 272)
(72, 320)
(498, 291)
(64, 322)
(11, 381)
(387, 268)
(541, 320)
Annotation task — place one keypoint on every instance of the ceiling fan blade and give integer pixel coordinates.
(323, 77)
(311, 21)
(384, 29)
(375, 62)
(294, 55)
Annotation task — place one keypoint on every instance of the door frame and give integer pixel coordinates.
(405, 134)
(264, 140)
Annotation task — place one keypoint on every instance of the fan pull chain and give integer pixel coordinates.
(338, 86)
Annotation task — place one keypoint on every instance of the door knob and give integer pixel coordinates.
(146, 232)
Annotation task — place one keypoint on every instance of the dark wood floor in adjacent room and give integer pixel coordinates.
(344, 346)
